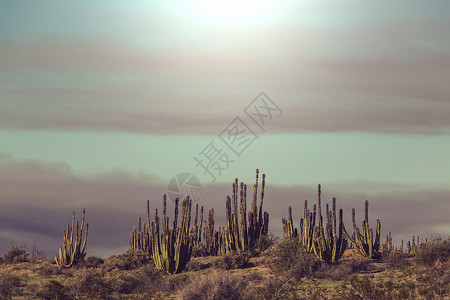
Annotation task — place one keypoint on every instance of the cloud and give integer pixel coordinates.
(360, 75)
(37, 200)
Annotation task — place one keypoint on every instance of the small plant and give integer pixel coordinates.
(290, 258)
(16, 254)
(231, 260)
(9, 285)
(434, 250)
(216, 285)
(52, 290)
(73, 249)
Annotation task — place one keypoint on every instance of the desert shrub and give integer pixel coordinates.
(338, 271)
(289, 258)
(176, 282)
(88, 283)
(46, 269)
(130, 260)
(9, 285)
(93, 261)
(304, 266)
(372, 289)
(435, 284)
(51, 290)
(270, 288)
(232, 260)
(196, 265)
(284, 255)
(151, 280)
(15, 254)
(264, 242)
(395, 260)
(436, 249)
(122, 282)
(216, 285)
(199, 251)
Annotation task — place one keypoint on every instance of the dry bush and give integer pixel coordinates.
(289, 258)
(88, 283)
(434, 250)
(396, 260)
(199, 251)
(175, 282)
(196, 265)
(16, 254)
(264, 242)
(46, 269)
(51, 290)
(338, 271)
(9, 284)
(130, 260)
(122, 282)
(232, 260)
(93, 261)
(216, 285)
(270, 288)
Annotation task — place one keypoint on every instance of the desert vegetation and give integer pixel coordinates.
(240, 260)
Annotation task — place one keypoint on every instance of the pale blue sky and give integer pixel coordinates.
(103, 102)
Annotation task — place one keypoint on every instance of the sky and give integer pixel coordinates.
(103, 103)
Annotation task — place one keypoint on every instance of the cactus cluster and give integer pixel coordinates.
(140, 236)
(328, 243)
(73, 249)
(172, 249)
(241, 232)
(364, 241)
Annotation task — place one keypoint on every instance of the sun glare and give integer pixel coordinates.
(233, 12)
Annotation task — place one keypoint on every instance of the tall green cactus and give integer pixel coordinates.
(307, 224)
(289, 230)
(329, 243)
(363, 240)
(173, 248)
(242, 233)
(73, 249)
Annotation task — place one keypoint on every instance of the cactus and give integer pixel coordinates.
(140, 235)
(388, 246)
(243, 234)
(173, 248)
(329, 247)
(307, 224)
(73, 249)
(365, 243)
(288, 226)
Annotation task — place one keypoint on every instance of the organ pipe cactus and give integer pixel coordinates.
(241, 232)
(140, 235)
(172, 248)
(288, 226)
(329, 243)
(364, 241)
(73, 249)
(307, 224)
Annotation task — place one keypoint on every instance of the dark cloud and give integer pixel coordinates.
(37, 201)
